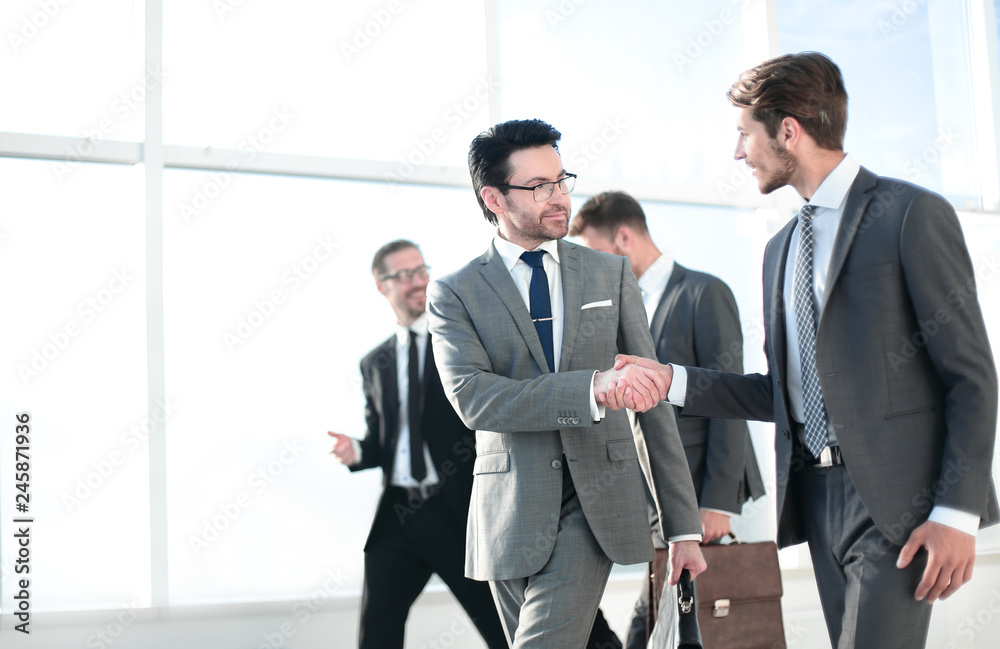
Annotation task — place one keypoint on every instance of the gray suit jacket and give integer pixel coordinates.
(528, 421)
(696, 322)
(903, 360)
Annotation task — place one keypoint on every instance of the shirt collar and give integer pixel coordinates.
(511, 252)
(833, 191)
(657, 275)
(419, 326)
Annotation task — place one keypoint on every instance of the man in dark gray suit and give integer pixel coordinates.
(694, 320)
(880, 379)
(519, 336)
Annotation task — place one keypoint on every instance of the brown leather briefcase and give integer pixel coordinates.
(739, 595)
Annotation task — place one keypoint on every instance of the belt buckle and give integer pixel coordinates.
(828, 457)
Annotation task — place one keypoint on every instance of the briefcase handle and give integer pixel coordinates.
(735, 540)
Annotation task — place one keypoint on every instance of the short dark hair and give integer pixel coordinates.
(807, 86)
(608, 212)
(378, 261)
(490, 151)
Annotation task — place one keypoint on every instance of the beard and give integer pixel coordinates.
(538, 228)
(784, 168)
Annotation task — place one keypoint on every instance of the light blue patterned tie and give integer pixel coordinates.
(805, 321)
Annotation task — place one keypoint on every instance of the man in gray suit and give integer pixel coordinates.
(519, 336)
(694, 321)
(880, 379)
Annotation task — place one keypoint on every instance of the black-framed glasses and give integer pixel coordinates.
(543, 192)
(406, 275)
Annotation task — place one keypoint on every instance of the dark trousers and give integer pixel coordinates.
(867, 601)
(402, 553)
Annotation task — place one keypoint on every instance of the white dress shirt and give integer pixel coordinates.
(653, 283)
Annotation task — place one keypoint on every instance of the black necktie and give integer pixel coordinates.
(539, 304)
(417, 466)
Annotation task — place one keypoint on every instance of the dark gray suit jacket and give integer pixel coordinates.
(529, 421)
(903, 359)
(696, 322)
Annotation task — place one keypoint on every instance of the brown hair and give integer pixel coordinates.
(378, 262)
(807, 86)
(608, 212)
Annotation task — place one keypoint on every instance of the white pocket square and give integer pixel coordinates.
(592, 305)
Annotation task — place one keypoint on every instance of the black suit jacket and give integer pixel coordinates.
(903, 359)
(697, 323)
(452, 446)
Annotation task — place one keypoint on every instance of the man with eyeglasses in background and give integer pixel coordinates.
(426, 455)
(519, 336)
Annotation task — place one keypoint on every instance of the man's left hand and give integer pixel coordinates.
(950, 557)
(714, 526)
(685, 555)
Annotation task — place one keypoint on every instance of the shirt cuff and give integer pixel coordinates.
(961, 521)
(357, 450)
(678, 386)
(685, 537)
(596, 411)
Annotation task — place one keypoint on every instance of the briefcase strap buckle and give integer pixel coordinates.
(686, 604)
(721, 608)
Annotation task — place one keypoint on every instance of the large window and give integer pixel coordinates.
(184, 321)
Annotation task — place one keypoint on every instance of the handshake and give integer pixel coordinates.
(634, 382)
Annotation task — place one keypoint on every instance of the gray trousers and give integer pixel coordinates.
(867, 601)
(555, 608)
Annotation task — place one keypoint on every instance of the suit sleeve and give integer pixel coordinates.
(661, 454)
(939, 278)
(718, 342)
(371, 447)
(485, 400)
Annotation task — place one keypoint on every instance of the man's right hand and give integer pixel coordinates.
(660, 374)
(343, 448)
(629, 386)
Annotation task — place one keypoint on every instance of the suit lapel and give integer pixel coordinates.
(667, 301)
(498, 277)
(854, 211)
(572, 290)
(776, 268)
(390, 401)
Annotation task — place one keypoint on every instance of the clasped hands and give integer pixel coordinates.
(634, 382)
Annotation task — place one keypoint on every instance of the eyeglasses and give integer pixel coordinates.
(406, 275)
(543, 192)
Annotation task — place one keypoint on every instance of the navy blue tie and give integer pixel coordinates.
(540, 306)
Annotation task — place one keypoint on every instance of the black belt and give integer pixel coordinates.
(421, 493)
(831, 456)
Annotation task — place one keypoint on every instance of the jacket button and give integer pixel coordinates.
(786, 434)
(556, 464)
